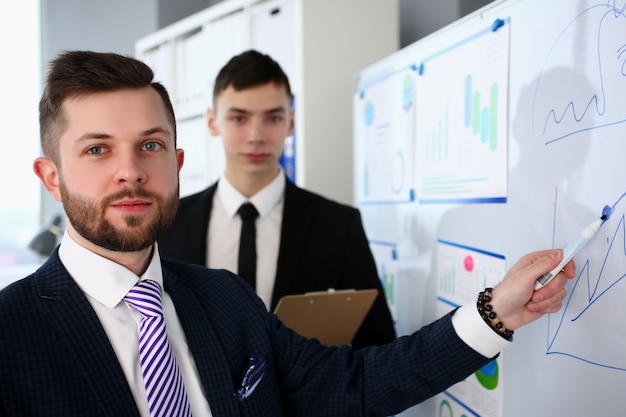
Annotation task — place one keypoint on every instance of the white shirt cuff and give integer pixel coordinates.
(477, 334)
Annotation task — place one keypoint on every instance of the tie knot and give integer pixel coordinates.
(145, 296)
(247, 211)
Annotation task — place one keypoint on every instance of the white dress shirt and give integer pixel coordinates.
(105, 283)
(473, 330)
(225, 228)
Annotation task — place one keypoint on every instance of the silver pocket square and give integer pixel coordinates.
(251, 377)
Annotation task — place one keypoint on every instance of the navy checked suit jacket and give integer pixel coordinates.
(322, 245)
(56, 360)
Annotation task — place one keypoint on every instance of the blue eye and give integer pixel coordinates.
(96, 150)
(152, 146)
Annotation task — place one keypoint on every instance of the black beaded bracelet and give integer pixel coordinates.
(491, 318)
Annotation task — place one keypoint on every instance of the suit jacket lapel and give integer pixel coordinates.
(297, 216)
(208, 353)
(76, 323)
(197, 226)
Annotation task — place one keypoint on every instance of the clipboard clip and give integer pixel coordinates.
(331, 290)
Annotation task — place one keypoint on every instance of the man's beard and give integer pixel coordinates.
(88, 218)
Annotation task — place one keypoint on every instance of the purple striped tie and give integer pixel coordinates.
(163, 380)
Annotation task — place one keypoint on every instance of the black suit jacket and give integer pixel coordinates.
(56, 360)
(322, 245)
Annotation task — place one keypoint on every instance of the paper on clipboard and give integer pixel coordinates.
(333, 317)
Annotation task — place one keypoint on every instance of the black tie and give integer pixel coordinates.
(247, 243)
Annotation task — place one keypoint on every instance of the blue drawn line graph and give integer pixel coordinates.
(600, 106)
(584, 330)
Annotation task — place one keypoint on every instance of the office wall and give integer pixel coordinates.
(419, 18)
(111, 25)
(172, 11)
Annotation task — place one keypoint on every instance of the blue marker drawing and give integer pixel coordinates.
(598, 288)
(564, 116)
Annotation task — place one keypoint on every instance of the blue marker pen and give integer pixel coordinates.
(571, 250)
(497, 24)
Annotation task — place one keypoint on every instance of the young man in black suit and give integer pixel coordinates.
(304, 242)
(74, 334)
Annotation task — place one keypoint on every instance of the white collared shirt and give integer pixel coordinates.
(225, 227)
(473, 330)
(105, 283)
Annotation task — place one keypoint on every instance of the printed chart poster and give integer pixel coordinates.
(385, 256)
(462, 121)
(385, 131)
(462, 272)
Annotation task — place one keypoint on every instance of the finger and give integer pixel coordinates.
(549, 304)
(549, 309)
(535, 264)
(570, 269)
(532, 257)
(552, 308)
(555, 285)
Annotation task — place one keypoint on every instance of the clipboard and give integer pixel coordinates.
(333, 317)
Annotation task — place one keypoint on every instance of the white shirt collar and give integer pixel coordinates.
(102, 279)
(263, 201)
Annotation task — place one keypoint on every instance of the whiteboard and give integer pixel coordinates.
(501, 134)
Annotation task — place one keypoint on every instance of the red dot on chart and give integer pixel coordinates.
(469, 263)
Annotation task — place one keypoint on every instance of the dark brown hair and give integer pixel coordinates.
(250, 69)
(78, 73)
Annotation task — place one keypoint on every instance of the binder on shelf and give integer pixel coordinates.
(332, 317)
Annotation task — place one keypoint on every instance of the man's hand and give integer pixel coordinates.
(515, 300)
